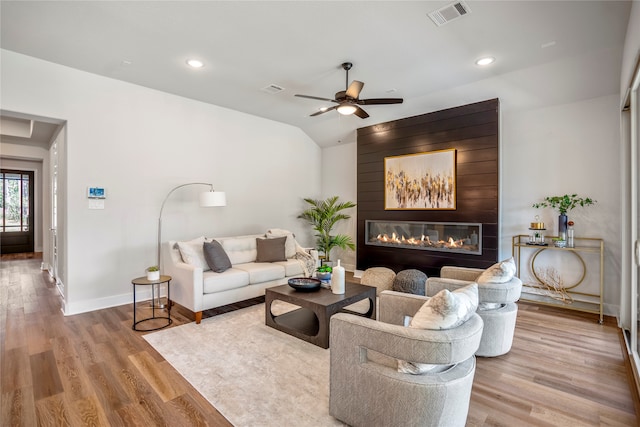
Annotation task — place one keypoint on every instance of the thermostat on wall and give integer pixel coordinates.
(96, 193)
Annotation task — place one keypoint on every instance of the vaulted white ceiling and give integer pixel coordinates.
(557, 50)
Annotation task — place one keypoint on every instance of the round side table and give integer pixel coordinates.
(142, 281)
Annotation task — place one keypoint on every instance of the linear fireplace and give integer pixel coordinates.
(430, 236)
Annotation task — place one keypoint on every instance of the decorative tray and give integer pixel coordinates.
(304, 283)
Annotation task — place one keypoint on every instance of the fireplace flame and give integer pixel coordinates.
(424, 240)
(463, 241)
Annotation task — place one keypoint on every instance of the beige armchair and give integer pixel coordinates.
(497, 308)
(366, 388)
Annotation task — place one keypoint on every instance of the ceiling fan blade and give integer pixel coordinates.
(324, 111)
(316, 97)
(361, 113)
(354, 89)
(374, 101)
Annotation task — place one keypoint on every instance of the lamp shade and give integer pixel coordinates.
(213, 198)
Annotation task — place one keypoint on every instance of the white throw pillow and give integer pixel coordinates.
(445, 310)
(501, 272)
(193, 254)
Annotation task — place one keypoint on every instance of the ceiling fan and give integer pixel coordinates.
(348, 101)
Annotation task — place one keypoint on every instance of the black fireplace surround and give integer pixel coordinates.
(473, 131)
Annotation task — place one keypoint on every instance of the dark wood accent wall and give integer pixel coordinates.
(473, 131)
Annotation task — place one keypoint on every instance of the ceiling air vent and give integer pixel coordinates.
(272, 88)
(446, 14)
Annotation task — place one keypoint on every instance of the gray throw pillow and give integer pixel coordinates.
(216, 257)
(271, 250)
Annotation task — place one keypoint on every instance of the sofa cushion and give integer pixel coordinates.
(445, 310)
(217, 259)
(261, 271)
(290, 243)
(501, 272)
(270, 250)
(231, 279)
(192, 253)
(292, 267)
(240, 249)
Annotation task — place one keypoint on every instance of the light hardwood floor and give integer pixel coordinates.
(91, 369)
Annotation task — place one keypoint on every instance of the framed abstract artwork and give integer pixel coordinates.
(421, 181)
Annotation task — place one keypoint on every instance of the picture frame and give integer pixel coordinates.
(420, 181)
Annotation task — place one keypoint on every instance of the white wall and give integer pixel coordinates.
(565, 149)
(547, 148)
(138, 144)
(339, 179)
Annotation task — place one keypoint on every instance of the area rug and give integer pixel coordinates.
(253, 374)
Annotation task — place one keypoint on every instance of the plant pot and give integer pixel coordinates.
(153, 275)
(323, 277)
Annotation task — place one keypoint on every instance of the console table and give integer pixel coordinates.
(576, 299)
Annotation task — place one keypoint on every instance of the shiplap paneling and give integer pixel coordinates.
(472, 130)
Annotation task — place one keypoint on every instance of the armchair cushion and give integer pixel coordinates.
(445, 310)
(501, 272)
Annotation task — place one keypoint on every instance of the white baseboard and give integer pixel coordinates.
(107, 302)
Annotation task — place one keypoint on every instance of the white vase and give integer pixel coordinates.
(153, 275)
(337, 279)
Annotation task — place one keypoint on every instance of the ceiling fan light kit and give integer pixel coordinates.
(348, 100)
(347, 109)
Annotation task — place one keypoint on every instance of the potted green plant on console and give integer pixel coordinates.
(323, 216)
(564, 204)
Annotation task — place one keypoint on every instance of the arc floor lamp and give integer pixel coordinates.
(209, 198)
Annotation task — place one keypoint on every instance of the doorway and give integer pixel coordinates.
(16, 211)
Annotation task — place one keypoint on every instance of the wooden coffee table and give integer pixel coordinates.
(310, 322)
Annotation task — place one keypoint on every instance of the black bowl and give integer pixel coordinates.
(305, 284)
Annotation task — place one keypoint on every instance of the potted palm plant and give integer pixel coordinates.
(323, 216)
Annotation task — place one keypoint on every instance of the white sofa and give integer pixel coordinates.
(197, 288)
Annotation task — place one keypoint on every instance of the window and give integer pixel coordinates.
(14, 202)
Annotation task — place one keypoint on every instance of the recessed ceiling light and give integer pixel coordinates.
(195, 63)
(486, 60)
